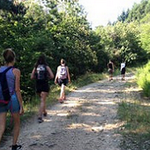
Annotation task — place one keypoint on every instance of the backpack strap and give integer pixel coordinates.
(4, 73)
(7, 69)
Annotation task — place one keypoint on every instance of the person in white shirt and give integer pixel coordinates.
(62, 78)
(123, 70)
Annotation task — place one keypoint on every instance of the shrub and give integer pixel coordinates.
(143, 79)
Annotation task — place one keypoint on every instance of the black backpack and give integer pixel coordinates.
(4, 87)
(41, 72)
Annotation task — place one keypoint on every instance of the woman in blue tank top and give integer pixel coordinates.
(15, 105)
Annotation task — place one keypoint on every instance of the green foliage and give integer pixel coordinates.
(137, 13)
(58, 33)
(122, 42)
(123, 16)
(145, 19)
(145, 37)
(87, 79)
(61, 30)
(143, 79)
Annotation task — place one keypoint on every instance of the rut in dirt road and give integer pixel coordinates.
(87, 120)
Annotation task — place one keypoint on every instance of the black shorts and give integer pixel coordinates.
(42, 86)
(123, 70)
(62, 81)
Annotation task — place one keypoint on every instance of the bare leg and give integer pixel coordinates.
(62, 92)
(2, 124)
(64, 96)
(16, 130)
(123, 77)
(111, 77)
(44, 101)
(42, 108)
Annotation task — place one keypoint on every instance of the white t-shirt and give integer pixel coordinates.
(122, 65)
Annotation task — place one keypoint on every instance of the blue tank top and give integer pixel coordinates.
(10, 79)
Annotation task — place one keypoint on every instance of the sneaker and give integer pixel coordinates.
(40, 120)
(60, 100)
(45, 114)
(16, 147)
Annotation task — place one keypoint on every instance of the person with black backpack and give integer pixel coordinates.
(62, 78)
(42, 72)
(10, 96)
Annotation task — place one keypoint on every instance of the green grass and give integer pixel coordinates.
(143, 76)
(134, 110)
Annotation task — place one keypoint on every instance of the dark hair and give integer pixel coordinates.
(41, 61)
(62, 61)
(9, 55)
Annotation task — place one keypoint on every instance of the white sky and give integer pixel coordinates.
(100, 12)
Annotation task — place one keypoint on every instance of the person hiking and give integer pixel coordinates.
(123, 70)
(41, 73)
(15, 103)
(62, 78)
(110, 67)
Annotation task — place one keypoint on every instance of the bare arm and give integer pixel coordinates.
(56, 76)
(51, 75)
(17, 88)
(113, 66)
(33, 74)
(68, 74)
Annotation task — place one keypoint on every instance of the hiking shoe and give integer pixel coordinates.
(60, 100)
(40, 120)
(45, 114)
(16, 147)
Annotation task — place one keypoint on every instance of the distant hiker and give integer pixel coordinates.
(42, 72)
(13, 100)
(62, 78)
(110, 67)
(123, 70)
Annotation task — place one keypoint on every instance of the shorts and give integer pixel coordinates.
(13, 106)
(110, 71)
(123, 70)
(62, 81)
(42, 86)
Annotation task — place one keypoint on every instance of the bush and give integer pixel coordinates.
(143, 79)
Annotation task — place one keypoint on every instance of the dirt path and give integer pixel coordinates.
(86, 121)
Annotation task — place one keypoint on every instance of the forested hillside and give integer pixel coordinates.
(129, 38)
(57, 29)
(60, 29)
(140, 15)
